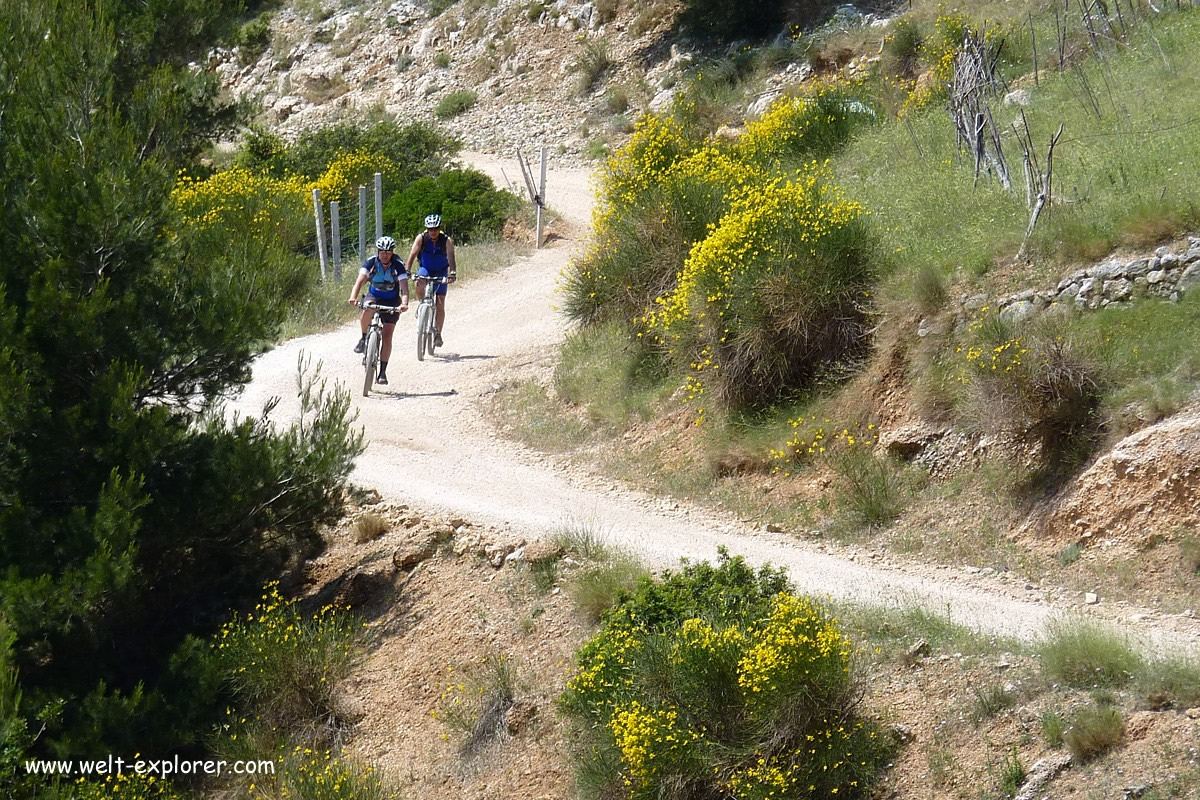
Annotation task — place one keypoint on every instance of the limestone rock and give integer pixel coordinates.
(414, 551)
(540, 550)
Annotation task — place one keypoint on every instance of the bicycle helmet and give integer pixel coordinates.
(433, 221)
(385, 243)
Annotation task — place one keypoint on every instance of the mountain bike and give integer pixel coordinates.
(374, 343)
(426, 314)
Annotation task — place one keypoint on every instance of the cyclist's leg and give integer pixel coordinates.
(439, 318)
(422, 273)
(386, 350)
(364, 320)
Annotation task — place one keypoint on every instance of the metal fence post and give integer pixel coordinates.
(321, 252)
(541, 200)
(335, 240)
(378, 204)
(362, 224)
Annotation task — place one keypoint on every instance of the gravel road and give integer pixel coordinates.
(429, 446)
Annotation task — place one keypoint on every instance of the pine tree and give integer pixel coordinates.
(132, 512)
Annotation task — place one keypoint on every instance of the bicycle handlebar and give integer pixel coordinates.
(377, 307)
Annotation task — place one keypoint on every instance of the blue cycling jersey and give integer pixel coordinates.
(433, 255)
(384, 282)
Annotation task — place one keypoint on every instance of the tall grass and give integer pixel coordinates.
(1135, 162)
(617, 376)
(1084, 654)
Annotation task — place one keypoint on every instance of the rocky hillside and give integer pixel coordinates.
(553, 73)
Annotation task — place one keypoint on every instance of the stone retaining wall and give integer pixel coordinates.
(1114, 282)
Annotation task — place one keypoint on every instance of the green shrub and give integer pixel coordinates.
(618, 377)
(1069, 554)
(283, 663)
(475, 700)
(114, 560)
(1012, 773)
(1171, 682)
(454, 103)
(470, 205)
(534, 11)
(1083, 654)
(596, 149)
(1041, 381)
(598, 588)
(772, 295)
(870, 489)
(1189, 554)
(616, 100)
(990, 701)
(253, 38)
(902, 49)
(1054, 725)
(591, 63)
(720, 680)
(794, 131)
(930, 289)
(581, 538)
(417, 149)
(1094, 731)
(442, 60)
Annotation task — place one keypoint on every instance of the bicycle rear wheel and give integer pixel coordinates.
(424, 324)
(372, 361)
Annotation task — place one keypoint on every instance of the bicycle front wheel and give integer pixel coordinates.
(424, 324)
(372, 361)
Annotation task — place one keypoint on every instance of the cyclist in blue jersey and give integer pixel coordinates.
(388, 287)
(436, 253)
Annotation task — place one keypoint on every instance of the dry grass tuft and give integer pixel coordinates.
(370, 526)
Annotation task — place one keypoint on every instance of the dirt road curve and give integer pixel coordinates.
(430, 447)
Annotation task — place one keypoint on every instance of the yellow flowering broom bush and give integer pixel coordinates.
(238, 199)
(1037, 378)
(721, 680)
(284, 663)
(308, 773)
(776, 291)
(807, 127)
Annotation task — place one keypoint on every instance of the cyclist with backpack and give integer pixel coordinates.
(436, 253)
(388, 281)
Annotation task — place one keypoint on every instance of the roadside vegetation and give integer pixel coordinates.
(751, 304)
(667, 692)
(720, 679)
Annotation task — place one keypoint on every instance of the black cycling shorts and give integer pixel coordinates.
(388, 317)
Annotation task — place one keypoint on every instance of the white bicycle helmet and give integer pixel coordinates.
(433, 221)
(385, 243)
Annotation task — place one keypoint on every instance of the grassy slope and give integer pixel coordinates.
(1128, 176)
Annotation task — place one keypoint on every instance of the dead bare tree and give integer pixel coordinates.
(973, 84)
(1039, 182)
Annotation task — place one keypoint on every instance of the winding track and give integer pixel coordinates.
(429, 446)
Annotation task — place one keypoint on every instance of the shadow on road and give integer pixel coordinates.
(457, 357)
(401, 394)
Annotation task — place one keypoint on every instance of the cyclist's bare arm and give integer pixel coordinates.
(413, 253)
(450, 258)
(358, 284)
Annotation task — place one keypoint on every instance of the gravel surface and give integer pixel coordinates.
(429, 446)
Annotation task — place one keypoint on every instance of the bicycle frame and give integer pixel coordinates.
(426, 316)
(374, 343)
